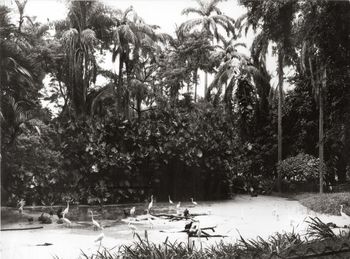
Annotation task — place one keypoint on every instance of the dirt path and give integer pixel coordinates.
(262, 216)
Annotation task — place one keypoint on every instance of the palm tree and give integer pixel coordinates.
(132, 38)
(210, 19)
(310, 62)
(275, 21)
(80, 42)
(236, 68)
(20, 7)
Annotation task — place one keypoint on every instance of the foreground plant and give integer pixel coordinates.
(320, 239)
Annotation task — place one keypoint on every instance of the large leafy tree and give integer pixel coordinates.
(21, 73)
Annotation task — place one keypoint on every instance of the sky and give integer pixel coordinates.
(164, 13)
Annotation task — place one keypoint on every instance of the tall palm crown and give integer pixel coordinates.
(210, 18)
(80, 41)
(132, 38)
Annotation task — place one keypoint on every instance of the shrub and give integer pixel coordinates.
(31, 166)
(302, 169)
(169, 151)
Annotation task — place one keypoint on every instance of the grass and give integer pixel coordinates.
(328, 203)
(319, 239)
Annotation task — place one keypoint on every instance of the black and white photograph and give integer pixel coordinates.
(183, 129)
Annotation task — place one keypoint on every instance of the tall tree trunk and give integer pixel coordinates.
(205, 84)
(127, 92)
(120, 84)
(195, 84)
(279, 115)
(138, 108)
(320, 130)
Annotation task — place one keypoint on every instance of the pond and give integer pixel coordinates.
(245, 215)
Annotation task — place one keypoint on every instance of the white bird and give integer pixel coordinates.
(178, 205)
(21, 205)
(99, 238)
(132, 211)
(150, 222)
(343, 213)
(94, 222)
(193, 202)
(170, 201)
(132, 227)
(150, 205)
(66, 209)
(67, 221)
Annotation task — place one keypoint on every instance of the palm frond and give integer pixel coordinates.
(259, 47)
(164, 37)
(104, 93)
(145, 29)
(128, 35)
(240, 44)
(127, 11)
(70, 36)
(190, 24)
(209, 5)
(189, 10)
(239, 21)
(88, 38)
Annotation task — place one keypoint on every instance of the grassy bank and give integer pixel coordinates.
(328, 203)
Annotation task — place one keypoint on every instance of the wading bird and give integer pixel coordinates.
(66, 209)
(132, 211)
(342, 213)
(178, 205)
(132, 227)
(193, 202)
(170, 201)
(150, 205)
(99, 238)
(94, 222)
(21, 204)
(66, 221)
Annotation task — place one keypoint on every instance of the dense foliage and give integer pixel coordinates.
(145, 130)
(176, 152)
(300, 169)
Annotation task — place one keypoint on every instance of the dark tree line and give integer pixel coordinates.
(146, 130)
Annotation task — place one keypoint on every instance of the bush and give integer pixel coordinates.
(31, 166)
(300, 170)
(168, 152)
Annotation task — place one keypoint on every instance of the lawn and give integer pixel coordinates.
(328, 203)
